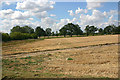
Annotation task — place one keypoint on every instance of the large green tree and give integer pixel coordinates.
(109, 29)
(101, 31)
(39, 31)
(63, 31)
(77, 30)
(48, 31)
(117, 30)
(93, 29)
(27, 29)
(71, 29)
(24, 29)
(90, 30)
(87, 30)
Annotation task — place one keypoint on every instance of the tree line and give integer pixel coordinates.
(27, 32)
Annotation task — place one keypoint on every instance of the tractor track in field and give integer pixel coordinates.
(34, 53)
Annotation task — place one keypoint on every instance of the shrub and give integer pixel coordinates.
(27, 36)
(17, 36)
(5, 37)
(22, 36)
(34, 36)
(69, 59)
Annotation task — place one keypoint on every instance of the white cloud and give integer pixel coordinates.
(20, 15)
(93, 19)
(71, 12)
(8, 3)
(31, 18)
(77, 11)
(10, 14)
(35, 6)
(39, 9)
(52, 15)
(31, 8)
(6, 13)
(80, 11)
(40, 14)
(97, 18)
(93, 4)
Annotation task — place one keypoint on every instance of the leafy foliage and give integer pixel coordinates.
(5, 37)
(25, 29)
(39, 31)
(90, 30)
(26, 32)
(71, 29)
(48, 31)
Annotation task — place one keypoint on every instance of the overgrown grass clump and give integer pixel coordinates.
(69, 59)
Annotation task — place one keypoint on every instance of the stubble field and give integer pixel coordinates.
(76, 57)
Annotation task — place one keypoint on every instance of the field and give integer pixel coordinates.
(75, 57)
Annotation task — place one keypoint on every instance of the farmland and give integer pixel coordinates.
(93, 56)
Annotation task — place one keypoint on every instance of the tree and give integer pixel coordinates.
(77, 30)
(5, 37)
(48, 31)
(53, 34)
(16, 29)
(39, 31)
(57, 33)
(101, 31)
(87, 30)
(93, 29)
(70, 29)
(17, 36)
(63, 31)
(90, 30)
(117, 30)
(25, 29)
(109, 29)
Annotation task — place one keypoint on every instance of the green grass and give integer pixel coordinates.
(28, 67)
(29, 57)
(40, 68)
(49, 54)
(69, 59)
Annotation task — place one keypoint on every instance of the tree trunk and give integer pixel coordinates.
(87, 34)
(71, 35)
(64, 35)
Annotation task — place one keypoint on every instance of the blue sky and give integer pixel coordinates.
(57, 14)
(61, 8)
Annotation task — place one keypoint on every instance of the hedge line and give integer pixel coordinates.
(18, 36)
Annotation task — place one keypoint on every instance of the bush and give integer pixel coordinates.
(27, 36)
(69, 59)
(17, 36)
(5, 37)
(34, 36)
(22, 36)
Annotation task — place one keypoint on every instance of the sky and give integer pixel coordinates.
(54, 15)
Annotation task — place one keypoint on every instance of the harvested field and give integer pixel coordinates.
(58, 43)
(76, 57)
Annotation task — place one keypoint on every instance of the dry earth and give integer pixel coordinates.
(51, 58)
(58, 43)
